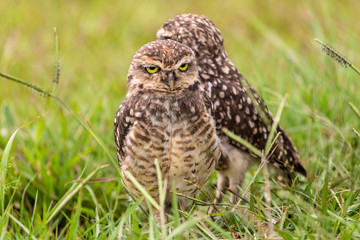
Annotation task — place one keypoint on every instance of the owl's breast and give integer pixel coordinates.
(180, 133)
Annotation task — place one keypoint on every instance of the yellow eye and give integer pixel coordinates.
(184, 67)
(152, 69)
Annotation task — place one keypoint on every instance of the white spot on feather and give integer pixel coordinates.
(221, 94)
(209, 88)
(251, 124)
(235, 92)
(248, 100)
(225, 69)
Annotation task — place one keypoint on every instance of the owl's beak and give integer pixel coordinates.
(171, 80)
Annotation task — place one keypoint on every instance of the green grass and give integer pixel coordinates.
(58, 174)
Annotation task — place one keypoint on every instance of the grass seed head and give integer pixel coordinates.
(334, 54)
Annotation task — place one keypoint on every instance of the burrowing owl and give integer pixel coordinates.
(166, 115)
(233, 107)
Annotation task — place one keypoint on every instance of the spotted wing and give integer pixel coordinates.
(122, 123)
(236, 111)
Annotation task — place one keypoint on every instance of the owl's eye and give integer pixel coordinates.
(152, 69)
(184, 67)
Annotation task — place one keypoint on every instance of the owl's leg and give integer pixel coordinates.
(235, 184)
(239, 164)
(222, 179)
(231, 170)
(222, 184)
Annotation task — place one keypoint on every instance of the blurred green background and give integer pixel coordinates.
(97, 40)
(271, 43)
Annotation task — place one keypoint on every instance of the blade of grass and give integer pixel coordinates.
(57, 62)
(135, 225)
(93, 196)
(248, 145)
(4, 217)
(4, 164)
(143, 191)
(205, 230)
(186, 225)
(324, 203)
(74, 224)
(355, 109)
(22, 226)
(22, 206)
(218, 228)
(153, 232)
(67, 197)
(34, 209)
(263, 162)
(274, 141)
(3, 170)
(118, 233)
(4, 221)
(26, 84)
(162, 195)
(356, 132)
(97, 221)
(270, 141)
(175, 207)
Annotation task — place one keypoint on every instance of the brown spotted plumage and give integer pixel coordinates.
(166, 115)
(233, 107)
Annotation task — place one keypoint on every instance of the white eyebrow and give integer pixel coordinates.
(149, 65)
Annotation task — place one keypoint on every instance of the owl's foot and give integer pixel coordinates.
(225, 183)
(231, 173)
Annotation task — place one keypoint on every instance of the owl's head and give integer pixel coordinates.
(163, 65)
(195, 31)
